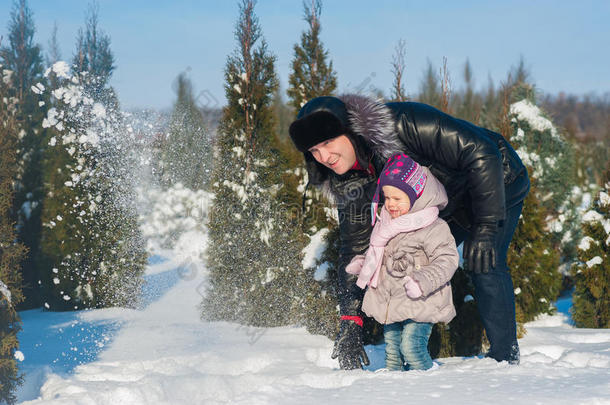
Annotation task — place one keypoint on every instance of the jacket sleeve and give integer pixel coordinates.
(355, 231)
(457, 146)
(443, 258)
(354, 210)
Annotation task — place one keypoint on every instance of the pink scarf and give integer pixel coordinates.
(386, 228)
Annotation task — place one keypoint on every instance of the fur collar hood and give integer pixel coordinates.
(374, 122)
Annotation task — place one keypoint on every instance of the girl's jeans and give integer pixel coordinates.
(406, 345)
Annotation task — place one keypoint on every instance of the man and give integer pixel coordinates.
(347, 140)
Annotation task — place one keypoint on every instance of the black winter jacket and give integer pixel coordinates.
(482, 173)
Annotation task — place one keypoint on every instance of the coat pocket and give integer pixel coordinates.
(420, 260)
(445, 297)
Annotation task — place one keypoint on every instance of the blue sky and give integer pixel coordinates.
(564, 43)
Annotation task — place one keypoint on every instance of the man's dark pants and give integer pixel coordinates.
(494, 291)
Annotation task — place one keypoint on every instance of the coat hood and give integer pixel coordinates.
(374, 122)
(434, 194)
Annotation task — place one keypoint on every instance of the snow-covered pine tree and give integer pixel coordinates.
(23, 57)
(254, 250)
(533, 256)
(533, 262)
(186, 155)
(91, 239)
(94, 58)
(591, 299)
(544, 149)
(11, 252)
(101, 255)
(311, 75)
(591, 157)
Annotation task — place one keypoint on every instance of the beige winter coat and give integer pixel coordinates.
(427, 255)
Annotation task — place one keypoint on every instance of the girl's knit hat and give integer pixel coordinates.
(403, 173)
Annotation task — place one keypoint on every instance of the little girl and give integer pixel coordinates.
(410, 260)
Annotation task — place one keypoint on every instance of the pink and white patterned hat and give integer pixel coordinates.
(403, 173)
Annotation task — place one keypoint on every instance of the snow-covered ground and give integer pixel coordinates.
(164, 354)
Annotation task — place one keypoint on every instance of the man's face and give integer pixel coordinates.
(337, 154)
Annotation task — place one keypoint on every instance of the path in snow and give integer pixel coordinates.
(164, 354)
(58, 342)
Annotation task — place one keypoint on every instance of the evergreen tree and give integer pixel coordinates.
(311, 76)
(284, 115)
(23, 57)
(430, 92)
(520, 73)
(591, 156)
(92, 242)
(53, 56)
(490, 109)
(591, 300)
(321, 315)
(533, 262)
(469, 108)
(94, 56)
(11, 253)
(186, 154)
(91, 239)
(532, 258)
(464, 335)
(495, 113)
(544, 149)
(253, 257)
(53, 52)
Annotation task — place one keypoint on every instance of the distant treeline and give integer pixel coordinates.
(585, 118)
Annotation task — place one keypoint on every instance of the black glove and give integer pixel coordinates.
(349, 347)
(479, 250)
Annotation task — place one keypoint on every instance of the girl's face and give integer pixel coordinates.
(396, 201)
